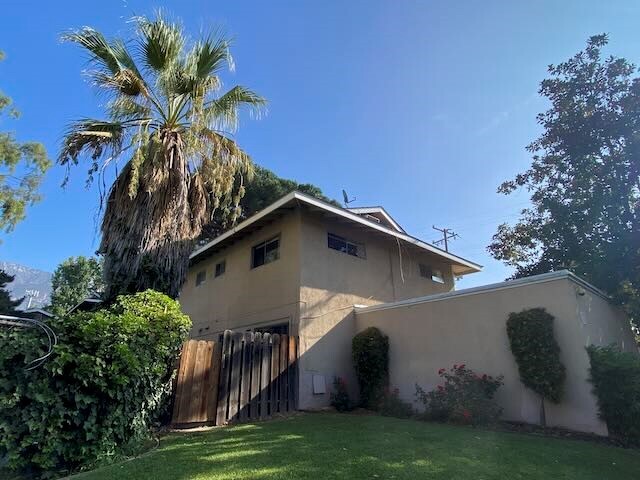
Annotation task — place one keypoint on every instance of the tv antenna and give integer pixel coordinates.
(447, 234)
(346, 198)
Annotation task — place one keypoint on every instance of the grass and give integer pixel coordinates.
(312, 446)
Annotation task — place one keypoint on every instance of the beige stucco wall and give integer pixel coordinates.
(244, 297)
(332, 282)
(471, 329)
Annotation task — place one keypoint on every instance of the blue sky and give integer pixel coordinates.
(424, 107)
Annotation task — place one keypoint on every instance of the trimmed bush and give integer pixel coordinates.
(392, 406)
(98, 394)
(536, 352)
(464, 397)
(615, 376)
(370, 351)
(340, 396)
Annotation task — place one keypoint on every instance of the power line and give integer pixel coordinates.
(447, 234)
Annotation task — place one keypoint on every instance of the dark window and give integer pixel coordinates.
(343, 245)
(281, 329)
(220, 268)
(265, 252)
(431, 273)
(201, 277)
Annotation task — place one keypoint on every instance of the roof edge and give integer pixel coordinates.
(296, 195)
(521, 282)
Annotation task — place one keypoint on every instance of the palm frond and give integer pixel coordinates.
(123, 108)
(209, 56)
(92, 137)
(102, 54)
(161, 42)
(222, 113)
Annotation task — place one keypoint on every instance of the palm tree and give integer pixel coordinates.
(166, 114)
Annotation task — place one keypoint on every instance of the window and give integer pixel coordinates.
(201, 277)
(343, 245)
(220, 268)
(265, 252)
(431, 273)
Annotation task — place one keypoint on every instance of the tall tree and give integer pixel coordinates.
(167, 115)
(7, 306)
(584, 179)
(264, 188)
(22, 168)
(73, 280)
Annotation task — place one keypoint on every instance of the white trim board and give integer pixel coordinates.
(341, 212)
(521, 282)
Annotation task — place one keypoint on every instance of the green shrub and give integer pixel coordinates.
(370, 351)
(100, 391)
(537, 353)
(392, 406)
(340, 396)
(464, 397)
(615, 376)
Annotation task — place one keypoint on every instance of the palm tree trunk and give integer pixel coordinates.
(147, 238)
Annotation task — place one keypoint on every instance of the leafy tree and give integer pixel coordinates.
(22, 167)
(584, 179)
(166, 113)
(261, 191)
(7, 306)
(74, 280)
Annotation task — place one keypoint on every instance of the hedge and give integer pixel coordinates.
(370, 351)
(100, 391)
(615, 376)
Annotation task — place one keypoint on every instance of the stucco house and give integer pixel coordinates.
(308, 268)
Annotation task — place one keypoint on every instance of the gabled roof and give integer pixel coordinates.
(375, 212)
(290, 201)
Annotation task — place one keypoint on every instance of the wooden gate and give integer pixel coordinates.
(245, 377)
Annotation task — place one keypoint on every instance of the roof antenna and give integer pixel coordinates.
(347, 201)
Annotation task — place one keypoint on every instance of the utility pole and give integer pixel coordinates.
(447, 234)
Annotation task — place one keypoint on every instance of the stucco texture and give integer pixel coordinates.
(471, 329)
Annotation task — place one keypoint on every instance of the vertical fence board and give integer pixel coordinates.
(223, 387)
(265, 375)
(180, 379)
(284, 386)
(255, 376)
(196, 382)
(185, 387)
(214, 382)
(236, 366)
(244, 376)
(245, 382)
(292, 375)
(275, 370)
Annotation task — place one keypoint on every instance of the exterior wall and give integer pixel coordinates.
(470, 328)
(332, 282)
(244, 297)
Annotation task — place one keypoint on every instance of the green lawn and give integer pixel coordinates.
(323, 446)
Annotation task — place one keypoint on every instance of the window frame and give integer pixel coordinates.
(222, 262)
(434, 274)
(359, 246)
(203, 280)
(263, 245)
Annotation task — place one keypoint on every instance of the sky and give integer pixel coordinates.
(424, 107)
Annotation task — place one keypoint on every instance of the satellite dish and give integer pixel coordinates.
(347, 201)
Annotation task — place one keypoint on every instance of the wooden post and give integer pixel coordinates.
(255, 375)
(275, 370)
(223, 387)
(265, 375)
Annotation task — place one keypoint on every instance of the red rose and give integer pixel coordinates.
(461, 366)
(440, 388)
(441, 371)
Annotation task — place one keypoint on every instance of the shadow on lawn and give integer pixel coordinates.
(322, 446)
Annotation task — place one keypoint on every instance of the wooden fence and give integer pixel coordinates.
(245, 377)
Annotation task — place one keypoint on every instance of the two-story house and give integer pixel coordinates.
(298, 267)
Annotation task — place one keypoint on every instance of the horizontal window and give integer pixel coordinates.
(201, 277)
(265, 252)
(343, 245)
(431, 273)
(220, 268)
